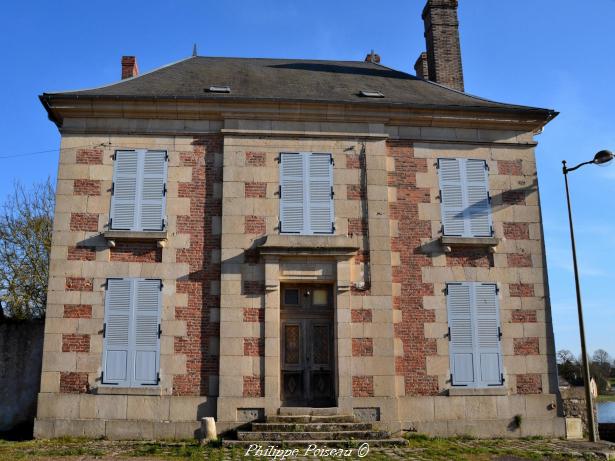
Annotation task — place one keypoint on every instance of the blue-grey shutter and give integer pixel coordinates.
(478, 208)
(152, 190)
(452, 196)
(461, 334)
(320, 184)
(292, 195)
(125, 190)
(117, 354)
(146, 327)
(487, 320)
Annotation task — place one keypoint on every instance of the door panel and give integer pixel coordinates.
(307, 346)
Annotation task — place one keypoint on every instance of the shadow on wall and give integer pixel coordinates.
(21, 353)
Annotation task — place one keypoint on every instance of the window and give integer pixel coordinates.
(474, 334)
(306, 193)
(131, 333)
(464, 194)
(139, 190)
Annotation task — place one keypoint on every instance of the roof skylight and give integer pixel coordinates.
(219, 89)
(371, 94)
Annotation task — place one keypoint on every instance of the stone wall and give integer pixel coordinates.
(573, 404)
(21, 350)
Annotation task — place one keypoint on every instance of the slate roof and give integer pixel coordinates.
(289, 80)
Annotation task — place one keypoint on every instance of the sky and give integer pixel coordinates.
(556, 54)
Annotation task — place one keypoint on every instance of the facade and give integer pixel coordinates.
(234, 236)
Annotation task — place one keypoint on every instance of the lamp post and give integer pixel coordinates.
(601, 158)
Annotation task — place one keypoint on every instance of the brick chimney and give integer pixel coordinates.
(442, 40)
(420, 66)
(129, 67)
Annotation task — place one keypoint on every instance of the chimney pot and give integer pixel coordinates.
(442, 40)
(129, 67)
(373, 57)
(420, 66)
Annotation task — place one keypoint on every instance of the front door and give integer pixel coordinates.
(307, 345)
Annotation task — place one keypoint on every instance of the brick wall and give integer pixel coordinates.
(84, 222)
(255, 158)
(362, 386)
(81, 254)
(77, 311)
(529, 384)
(255, 189)
(86, 187)
(89, 156)
(525, 346)
(73, 382)
(253, 386)
(79, 284)
(255, 225)
(75, 343)
(362, 347)
(144, 252)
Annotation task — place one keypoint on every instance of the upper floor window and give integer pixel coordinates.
(306, 193)
(464, 194)
(474, 334)
(139, 190)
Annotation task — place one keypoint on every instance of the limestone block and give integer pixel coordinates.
(111, 406)
(449, 408)
(481, 407)
(58, 406)
(148, 407)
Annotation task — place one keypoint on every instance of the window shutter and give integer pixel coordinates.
(451, 194)
(125, 181)
(461, 338)
(152, 196)
(292, 197)
(146, 327)
(320, 183)
(477, 191)
(117, 360)
(488, 334)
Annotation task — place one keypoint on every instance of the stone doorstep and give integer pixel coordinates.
(319, 443)
(329, 436)
(311, 419)
(308, 411)
(311, 427)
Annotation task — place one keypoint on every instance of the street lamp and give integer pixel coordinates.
(601, 158)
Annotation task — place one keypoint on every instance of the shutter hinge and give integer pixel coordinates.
(502, 378)
(492, 231)
(451, 375)
(166, 156)
(437, 168)
(104, 331)
(442, 229)
(158, 378)
(164, 190)
(279, 158)
(112, 188)
(486, 165)
(333, 228)
(110, 223)
(449, 333)
(159, 331)
(332, 193)
(488, 197)
(446, 290)
(280, 226)
(102, 376)
(114, 156)
(280, 191)
(499, 334)
(440, 195)
(331, 160)
(497, 290)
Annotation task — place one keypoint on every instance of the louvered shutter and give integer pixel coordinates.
(461, 334)
(487, 334)
(452, 196)
(477, 193)
(320, 183)
(117, 354)
(152, 190)
(125, 190)
(292, 194)
(146, 327)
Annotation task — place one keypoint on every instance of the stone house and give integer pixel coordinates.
(234, 236)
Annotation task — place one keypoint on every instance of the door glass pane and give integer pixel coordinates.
(320, 344)
(291, 344)
(291, 296)
(320, 297)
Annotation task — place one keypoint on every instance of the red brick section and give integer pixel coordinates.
(525, 346)
(89, 156)
(78, 284)
(362, 347)
(357, 226)
(361, 315)
(255, 189)
(73, 383)
(355, 192)
(77, 311)
(81, 254)
(200, 360)
(255, 159)
(254, 225)
(529, 384)
(519, 260)
(136, 252)
(253, 314)
(253, 288)
(517, 231)
(253, 347)
(470, 257)
(84, 222)
(86, 187)
(411, 330)
(518, 290)
(253, 386)
(509, 167)
(513, 197)
(353, 161)
(75, 343)
(362, 386)
(522, 316)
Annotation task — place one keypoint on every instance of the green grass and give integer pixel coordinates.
(606, 398)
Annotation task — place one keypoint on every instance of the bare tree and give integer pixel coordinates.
(564, 355)
(25, 241)
(601, 357)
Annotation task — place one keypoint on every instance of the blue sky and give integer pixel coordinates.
(550, 53)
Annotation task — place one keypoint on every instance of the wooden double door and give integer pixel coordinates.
(307, 356)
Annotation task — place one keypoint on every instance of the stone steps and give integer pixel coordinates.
(319, 443)
(311, 427)
(338, 435)
(311, 419)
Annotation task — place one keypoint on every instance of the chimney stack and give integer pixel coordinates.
(420, 66)
(129, 67)
(442, 40)
(373, 57)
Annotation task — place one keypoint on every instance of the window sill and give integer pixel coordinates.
(298, 245)
(475, 391)
(115, 390)
(141, 236)
(468, 242)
